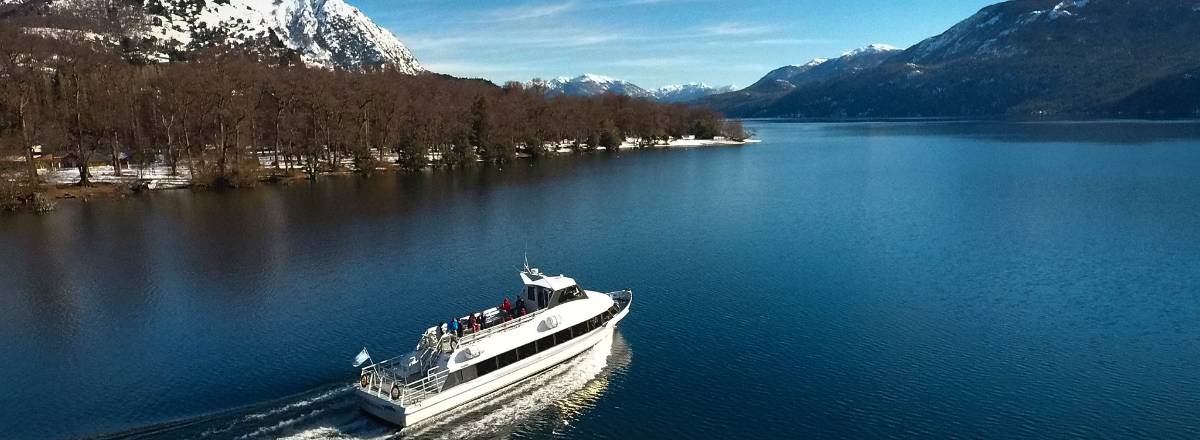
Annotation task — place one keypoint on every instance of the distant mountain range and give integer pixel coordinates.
(1046, 58)
(320, 32)
(1043, 58)
(751, 100)
(592, 85)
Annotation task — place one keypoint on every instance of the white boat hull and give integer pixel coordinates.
(392, 412)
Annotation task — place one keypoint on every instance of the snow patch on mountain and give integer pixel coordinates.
(323, 32)
(590, 84)
(870, 49)
(814, 62)
(687, 92)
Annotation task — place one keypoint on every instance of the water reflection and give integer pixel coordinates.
(545, 403)
(1103, 132)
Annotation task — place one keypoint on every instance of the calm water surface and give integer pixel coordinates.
(876, 280)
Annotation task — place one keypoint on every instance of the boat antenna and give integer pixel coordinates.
(527, 259)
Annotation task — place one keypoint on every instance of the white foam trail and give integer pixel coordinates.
(300, 404)
(282, 424)
(328, 433)
(524, 400)
(572, 387)
(279, 410)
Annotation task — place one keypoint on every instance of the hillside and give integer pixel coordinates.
(1030, 58)
(318, 32)
(751, 100)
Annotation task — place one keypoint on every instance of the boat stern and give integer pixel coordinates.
(387, 410)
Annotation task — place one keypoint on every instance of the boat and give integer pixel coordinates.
(447, 370)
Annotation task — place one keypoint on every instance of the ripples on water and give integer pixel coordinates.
(545, 404)
(867, 280)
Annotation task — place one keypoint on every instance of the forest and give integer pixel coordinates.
(227, 117)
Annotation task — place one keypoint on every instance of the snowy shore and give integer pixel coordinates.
(158, 176)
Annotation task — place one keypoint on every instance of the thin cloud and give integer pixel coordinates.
(534, 39)
(730, 29)
(528, 12)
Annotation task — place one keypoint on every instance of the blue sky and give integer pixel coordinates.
(651, 42)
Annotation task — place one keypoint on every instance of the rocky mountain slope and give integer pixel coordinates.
(321, 32)
(687, 92)
(1039, 58)
(751, 100)
(589, 85)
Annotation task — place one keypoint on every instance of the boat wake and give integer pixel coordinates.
(543, 403)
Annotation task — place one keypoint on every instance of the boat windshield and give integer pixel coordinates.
(569, 294)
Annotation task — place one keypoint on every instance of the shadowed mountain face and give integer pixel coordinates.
(779, 82)
(1025, 58)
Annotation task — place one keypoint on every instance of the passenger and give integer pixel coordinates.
(520, 305)
(453, 327)
(439, 330)
(506, 309)
(522, 309)
(471, 322)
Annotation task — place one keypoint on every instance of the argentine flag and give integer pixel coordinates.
(362, 357)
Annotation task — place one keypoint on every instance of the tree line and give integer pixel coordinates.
(217, 116)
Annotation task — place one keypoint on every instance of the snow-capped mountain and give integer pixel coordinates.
(869, 49)
(687, 92)
(784, 80)
(322, 32)
(1030, 58)
(589, 85)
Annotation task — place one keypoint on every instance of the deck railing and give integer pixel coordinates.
(500, 327)
(416, 392)
(384, 375)
(383, 379)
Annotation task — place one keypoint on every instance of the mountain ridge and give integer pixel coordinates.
(321, 32)
(590, 84)
(1021, 58)
(784, 80)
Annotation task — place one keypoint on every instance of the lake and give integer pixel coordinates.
(855, 280)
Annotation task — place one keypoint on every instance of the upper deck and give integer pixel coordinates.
(552, 303)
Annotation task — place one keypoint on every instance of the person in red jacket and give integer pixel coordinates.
(506, 308)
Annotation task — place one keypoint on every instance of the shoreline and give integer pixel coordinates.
(62, 183)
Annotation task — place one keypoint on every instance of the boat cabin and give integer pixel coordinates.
(543, 292)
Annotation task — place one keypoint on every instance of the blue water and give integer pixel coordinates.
(871, 280)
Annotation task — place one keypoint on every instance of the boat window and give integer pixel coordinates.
(569, 293)
(507, 358)
(485, 367)
(467, 374)
(545, 343)
(529, 293)
(527, 350)
(562, 336)
(579, 329)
